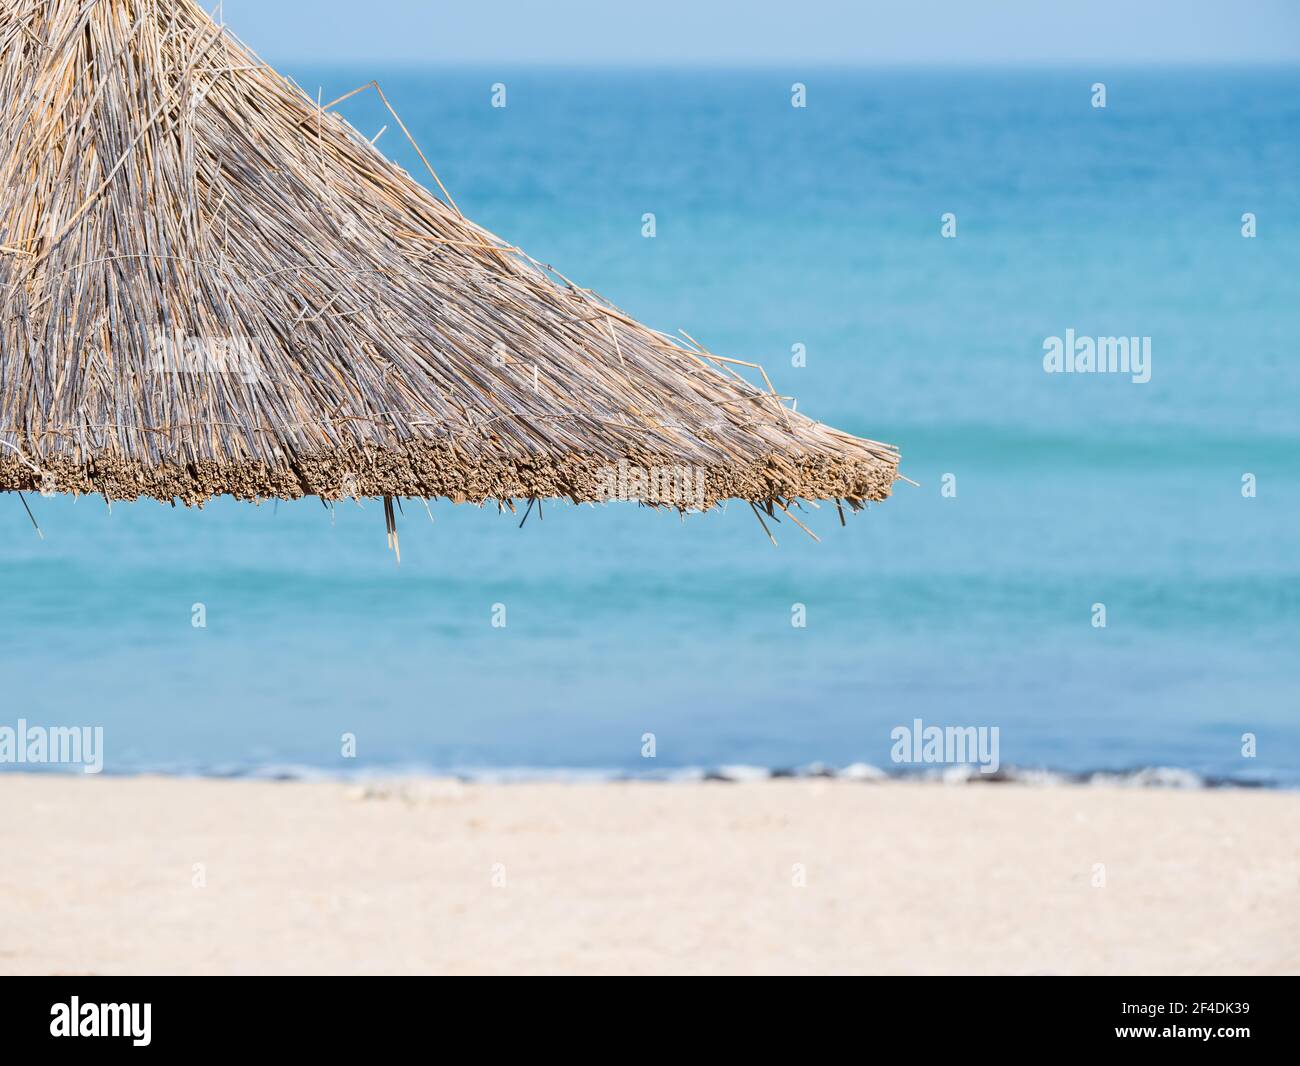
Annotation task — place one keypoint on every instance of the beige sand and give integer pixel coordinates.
(98, 876)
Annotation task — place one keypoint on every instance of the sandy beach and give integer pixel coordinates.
(113, 876)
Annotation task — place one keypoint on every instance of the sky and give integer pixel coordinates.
(769, 32)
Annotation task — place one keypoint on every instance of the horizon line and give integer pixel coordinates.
(765, 66)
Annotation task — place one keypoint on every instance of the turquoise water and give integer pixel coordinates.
(777, 227)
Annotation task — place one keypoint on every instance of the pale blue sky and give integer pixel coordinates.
(770, 32)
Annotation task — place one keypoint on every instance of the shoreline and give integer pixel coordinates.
(1157, 776)
(117, 875)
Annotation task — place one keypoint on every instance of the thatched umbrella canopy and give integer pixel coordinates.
(211, 284)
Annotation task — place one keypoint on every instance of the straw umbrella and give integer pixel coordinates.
(211, 283)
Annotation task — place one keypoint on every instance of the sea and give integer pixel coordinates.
(1103, 570)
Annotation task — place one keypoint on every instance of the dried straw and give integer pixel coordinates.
(211, 284)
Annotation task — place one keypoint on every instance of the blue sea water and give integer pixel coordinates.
(779, 226)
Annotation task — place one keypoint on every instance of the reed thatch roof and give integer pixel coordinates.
(213, 284)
